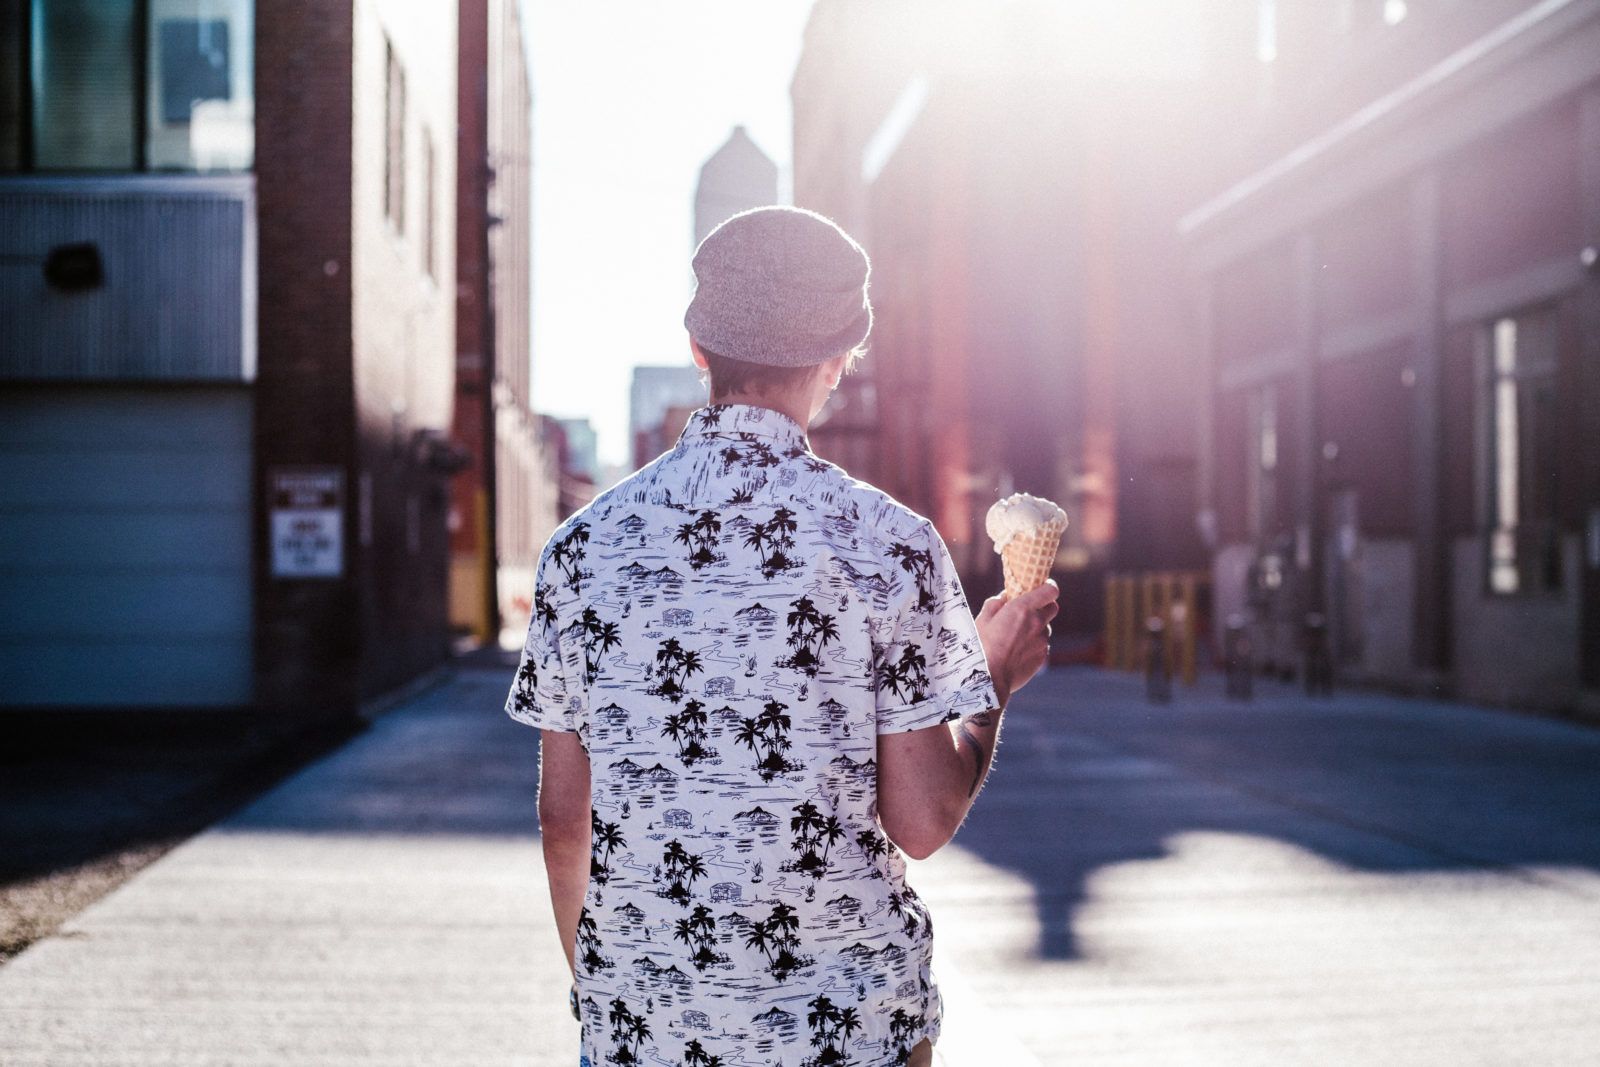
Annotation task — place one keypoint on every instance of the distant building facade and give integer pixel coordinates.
(227, 340)
(1024, 263)
(1396, 302)
(506, 502)
(659, 401)
(583, 448)
(737, 177)
(570, 442)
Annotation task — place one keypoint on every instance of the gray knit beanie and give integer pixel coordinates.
(781, 286)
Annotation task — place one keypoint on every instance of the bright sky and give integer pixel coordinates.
(629, 98)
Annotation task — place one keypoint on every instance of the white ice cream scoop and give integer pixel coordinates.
(1026, 532)
(1020, 514)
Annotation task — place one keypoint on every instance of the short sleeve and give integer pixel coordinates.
(932, 669)
(540, 694)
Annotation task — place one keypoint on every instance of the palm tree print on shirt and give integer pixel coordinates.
(831, 1027)
(901, 906)
(920, 565)
(748, 452)
(774, 539)
(902, 1028)
(568, 554)
(700, 931)
(606, 836)
(527, 684)
(767, 735)
(872, 846)
(777, 938)
(674, 664)
(629, 1032)
(544, 608)
(598, 638)
(907, 676)
(703, 533)
(910, 909)
(688, 731)
(810, 831)
(680, 869)
(589, 944)
(695, 1055)
(809, 632)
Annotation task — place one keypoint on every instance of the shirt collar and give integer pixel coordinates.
(736, 420)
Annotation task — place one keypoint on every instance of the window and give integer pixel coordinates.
(200, 107)
(1266, 30)
(394, 142)
(1519, 461)
(13, 49)
(127, 85)
(429, 248)
(84, 79)
(1261, 484)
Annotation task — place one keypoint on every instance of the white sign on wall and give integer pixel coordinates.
(307, 517)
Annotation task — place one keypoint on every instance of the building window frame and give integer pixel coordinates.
(143, 76)
(1518, 356)
(1262, 474)
(429, 220)
(394, 139)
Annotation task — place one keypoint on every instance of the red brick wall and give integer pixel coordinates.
(307, 638)
(403, 329)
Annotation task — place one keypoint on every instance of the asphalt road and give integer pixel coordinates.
(1363, 880)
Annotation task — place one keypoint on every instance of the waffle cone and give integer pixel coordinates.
(1027, 558)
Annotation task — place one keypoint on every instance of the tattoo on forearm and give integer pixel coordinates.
(982, 755)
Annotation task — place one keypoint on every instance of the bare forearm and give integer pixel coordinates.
(928, 779)
(975, 738)
(566, 862)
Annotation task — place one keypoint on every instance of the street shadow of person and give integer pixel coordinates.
(1090, 777)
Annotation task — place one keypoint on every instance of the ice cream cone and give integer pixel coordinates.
(1026, 531)
(1026, 558)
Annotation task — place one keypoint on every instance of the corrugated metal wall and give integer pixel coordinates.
(125, 525)
(179, 296)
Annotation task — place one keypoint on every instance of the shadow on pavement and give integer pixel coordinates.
(77, 785)
(1089, 776)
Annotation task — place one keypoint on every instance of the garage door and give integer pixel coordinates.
(124, 546)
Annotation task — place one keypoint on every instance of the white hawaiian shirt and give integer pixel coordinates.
(728, 631)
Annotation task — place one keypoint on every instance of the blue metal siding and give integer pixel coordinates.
(178, 302)
(125, 519)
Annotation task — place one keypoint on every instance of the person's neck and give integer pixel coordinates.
(798, 410)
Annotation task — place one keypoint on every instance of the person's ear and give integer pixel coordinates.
(698, 356)
(834, 370)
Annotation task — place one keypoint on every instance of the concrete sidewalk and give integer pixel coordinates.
(384, 906)
(1366, 880)
(387, 905)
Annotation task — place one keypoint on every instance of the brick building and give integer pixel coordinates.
(1015, 188)
(227, 337)
(506, 502)
(1397, 311)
